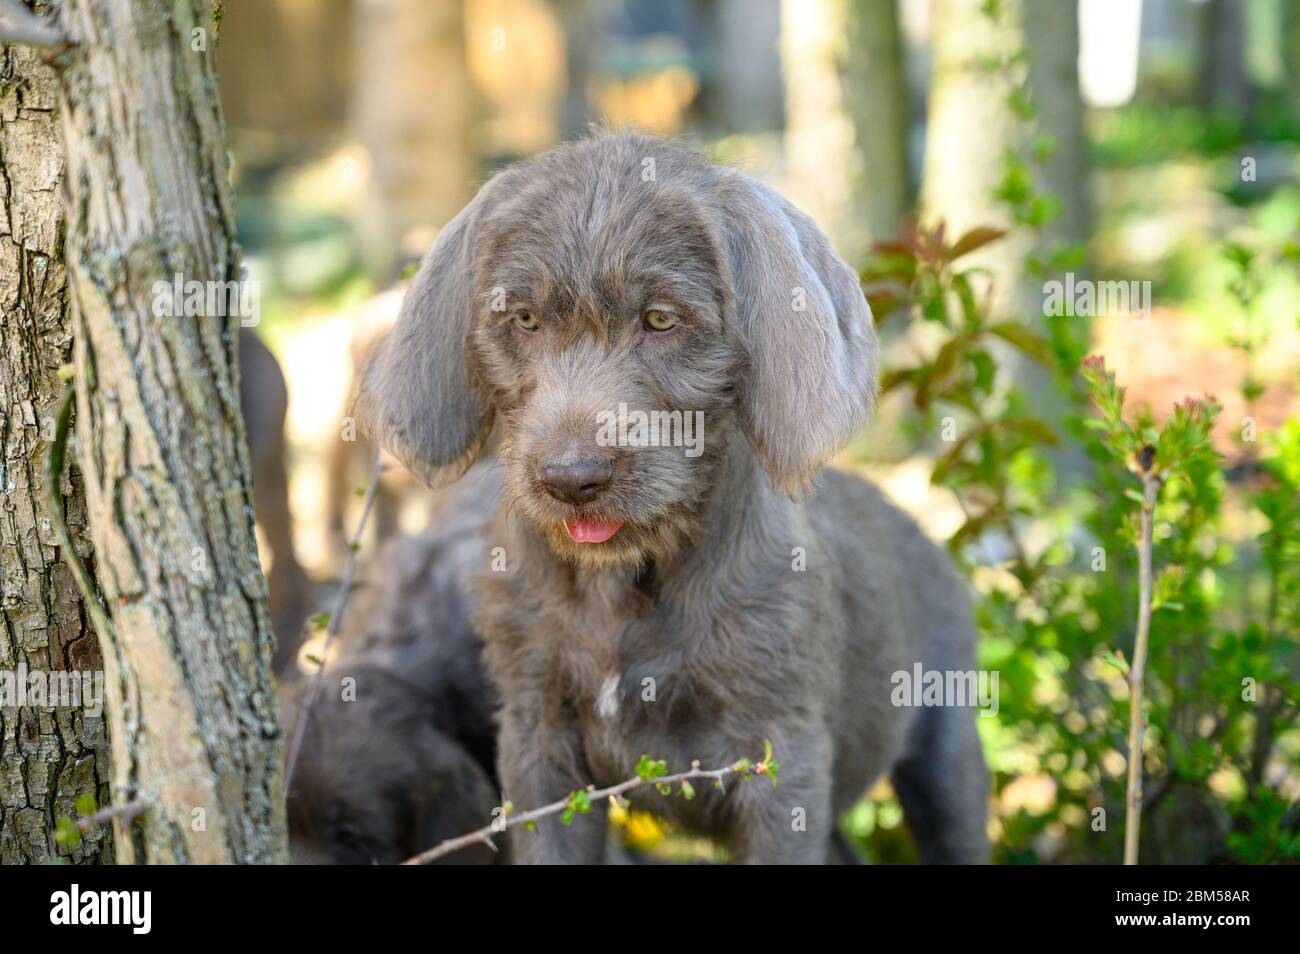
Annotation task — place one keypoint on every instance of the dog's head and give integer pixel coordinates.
(622, 306)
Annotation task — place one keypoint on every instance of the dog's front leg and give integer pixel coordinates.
(790, 823)
(540, 765)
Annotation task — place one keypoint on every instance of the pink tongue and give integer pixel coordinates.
(591, 531)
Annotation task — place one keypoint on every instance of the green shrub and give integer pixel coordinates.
(1051, 552)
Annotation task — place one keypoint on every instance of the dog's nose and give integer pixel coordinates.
(578, 482)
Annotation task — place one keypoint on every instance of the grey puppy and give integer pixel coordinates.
(652, 599)
(399, 752)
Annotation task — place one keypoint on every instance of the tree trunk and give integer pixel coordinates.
(1052, 38)
(1223, 83)
(970, 128)
(411, 111)
(161, 441)
(50, 756)
(286, 70)
(846, 116)
(877, 104)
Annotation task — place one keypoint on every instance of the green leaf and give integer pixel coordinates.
(66, 834)
(945, 360)
(1115, 659)
(1032, 427)
(648, 768)
(579, 803)
(1024, 339)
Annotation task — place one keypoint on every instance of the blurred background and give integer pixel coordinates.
(1112, 140)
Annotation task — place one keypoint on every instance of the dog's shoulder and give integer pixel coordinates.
(858, 516)
(843, 498)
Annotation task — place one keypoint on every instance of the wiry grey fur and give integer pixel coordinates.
(697, 597)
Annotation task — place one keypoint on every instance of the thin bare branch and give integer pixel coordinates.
(336, 618)
(506, 821)
(105, 815)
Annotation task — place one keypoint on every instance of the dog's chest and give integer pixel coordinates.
(633, 691)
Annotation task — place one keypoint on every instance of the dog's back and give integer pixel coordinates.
(907, 606)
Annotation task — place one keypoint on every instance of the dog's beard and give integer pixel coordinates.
(656, 507)
(637, 542)
(641, 537)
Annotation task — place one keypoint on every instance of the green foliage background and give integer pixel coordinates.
(1050, 531)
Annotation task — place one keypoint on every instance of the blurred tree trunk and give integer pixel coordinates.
(742, 91)
(49, 757)
(1290, 43)
(1223, 82)
(1051, 35)
(970, 129)
(161, 441)
(411, 110)
(577, 19)
(877, 105)
(286, 71)
(846, 118)
(1052, 38)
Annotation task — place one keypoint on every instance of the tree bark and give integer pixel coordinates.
(161, 441)
(49, 756)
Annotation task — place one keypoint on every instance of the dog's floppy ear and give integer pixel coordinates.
(807, 330)
(417, 397)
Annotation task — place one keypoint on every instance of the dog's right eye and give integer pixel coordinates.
(526, 320)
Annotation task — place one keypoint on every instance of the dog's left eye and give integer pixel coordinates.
(526, 320)
(656, 319)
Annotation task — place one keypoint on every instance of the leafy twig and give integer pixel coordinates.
(105, 815)
(1155, 455)
(69, 831)
(648, 772)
